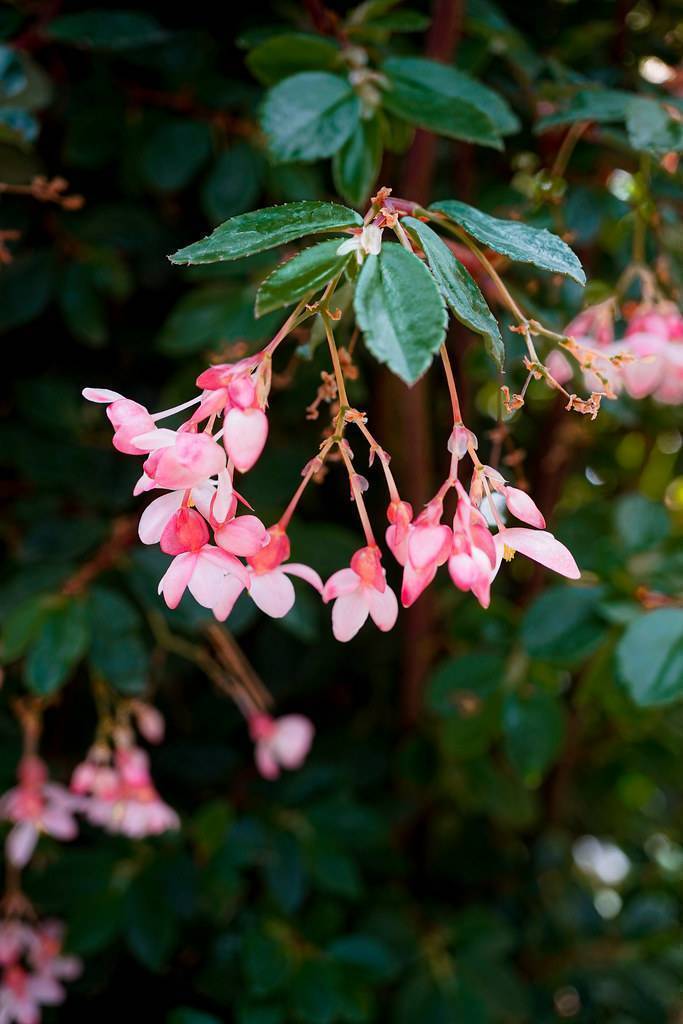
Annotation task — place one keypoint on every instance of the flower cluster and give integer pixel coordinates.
(32, 969)
(646, 361)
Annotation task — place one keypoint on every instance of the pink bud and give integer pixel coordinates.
(245, 434)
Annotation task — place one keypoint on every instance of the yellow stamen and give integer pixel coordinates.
(508, 553)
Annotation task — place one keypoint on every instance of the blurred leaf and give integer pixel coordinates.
(563, 624)
(184, 1015)
(309, 116)
(601, 105)
(212, 316)
(641, 523)
(459, 288)
(400, 311)
(651, 129)
(315, 992)
(25, 289)
(533, 727)
(266, 961)
(174, 152)
(650, 657)
(301, 276)
(117, 652)
(283, 55)
(12, 75)
(234, 182)
(365, 953)
(356, 166)
(264, 229)
(515, 240)
(107, 30)
(58, 646)
(20, 627)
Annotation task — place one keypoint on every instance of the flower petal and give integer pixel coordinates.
(245, 435)
(383, 607)
(176, 578)
(272, 592)
(243, 535)
(349, 612)
(344, 581)
(543, 548)
(523, 507)
(157, 514)
(304, 572)
(292, 740)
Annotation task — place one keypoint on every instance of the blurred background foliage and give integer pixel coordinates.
(514, 852)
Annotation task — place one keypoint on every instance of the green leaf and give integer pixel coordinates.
(356, 165)
(12, 75)
(651, 129)
(117, 652)
(174, 152)
(601, 105)
(259, 230)
(60, 644)
(234, 182)
(517, 241)
(465, 693)
(20, 626)
(641, 523)
(309, 116)
(315, 992)
(563, 624)
(302, 275)
(283, 55)
(458, 288)
(107, 30)
(441, 100)
(534, 729)
(209, 316)
(186, 1015)
(364, 952)
(26, 287)
(266, 961)
(400, 311)
(456, 86)
(650, 657)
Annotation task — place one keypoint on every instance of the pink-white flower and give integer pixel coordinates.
(245, 428)
(280, 742)
(34, 806)
(539, 545)
(473, 554)
(426, 545)
(271, 590)
(182, 460)
(359, 591)
(214, 578)
(32, 974)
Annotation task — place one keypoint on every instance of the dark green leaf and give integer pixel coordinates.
(651, 129)
(601, 105)
(458, 288)
(266, 961)
(107, 30)
(534, 729)
(364, 952)
(315, 992)
(517, 241)
(234, 183)
(443, 100)
(641, 523)
(117, 652)
(309, 116)
(563, 624)
(207, 317)
(20, 626)
(650, 657)
(185, 1015)
(59, 645)
(283, 55)
(264, 229)
(400, 311)
(304, 274)
(26, 287)
(174, 152)
(356, 165)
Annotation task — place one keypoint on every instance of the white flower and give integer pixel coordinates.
(367, 243)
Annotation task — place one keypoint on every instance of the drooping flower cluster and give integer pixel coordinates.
(646, 361)
(36, 805)
(32, 969)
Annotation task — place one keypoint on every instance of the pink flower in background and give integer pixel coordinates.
(32, 969)
(280, 742)
(34, 806)
(359, 591)
(271, 590)
(121, 796)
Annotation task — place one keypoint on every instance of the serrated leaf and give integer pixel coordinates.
(259, 230)
(290, 53)
(534, 729)
(309, 116)
(356, 165)
(400, 311)
(650, 657)
(302, 275)
(517, 241)
(442, 100)
(59, 645)
(458, 288)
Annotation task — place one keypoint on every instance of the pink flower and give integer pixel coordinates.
(540, 546)
(426, 545)
(594, 325)
(33, 970)
(271, 590)
(121, 796)
(473, 555)
(36, 805)
(156, 516)
(358, 592)
(127, 417)
(245, 427)
(400, 516)
(280, 742)
(185, 460)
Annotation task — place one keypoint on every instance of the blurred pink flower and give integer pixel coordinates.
(280, 742)
(36, 805)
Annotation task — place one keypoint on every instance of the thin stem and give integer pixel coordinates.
(286, 516)
(338, 373)
(567, 148)
(358, 497)
(452, 389)
(382, 456)
(292, 321)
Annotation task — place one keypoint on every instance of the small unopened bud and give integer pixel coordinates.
(149, 720)
(460, 440)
